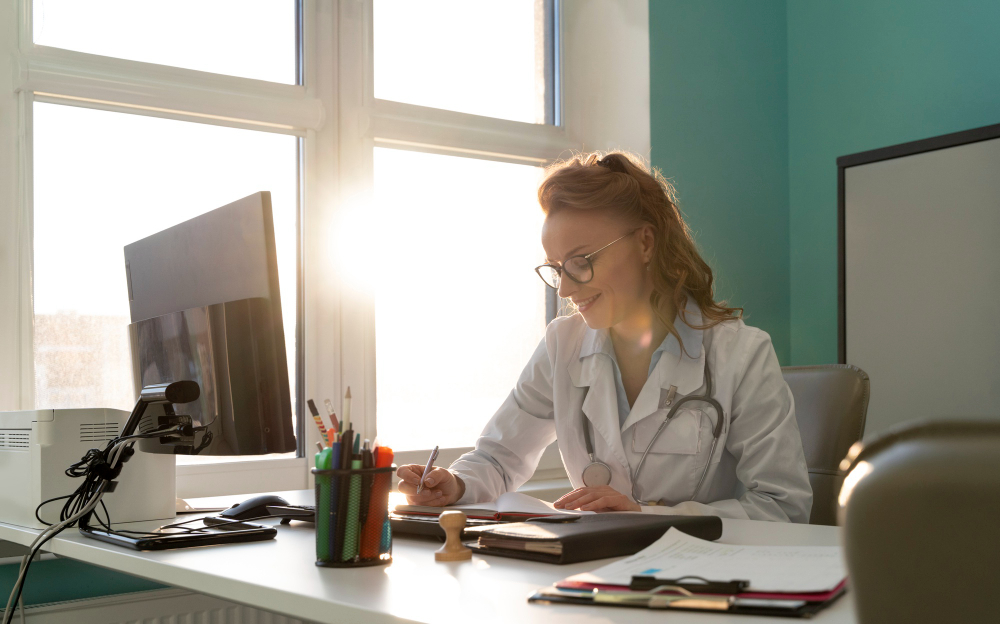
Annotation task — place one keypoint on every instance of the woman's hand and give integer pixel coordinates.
(600, 498)
(441, 487)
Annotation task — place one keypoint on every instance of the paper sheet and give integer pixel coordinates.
(515, 502)
(784, 569)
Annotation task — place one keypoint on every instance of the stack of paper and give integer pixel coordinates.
(770, 569)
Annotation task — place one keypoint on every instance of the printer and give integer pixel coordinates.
(36, 448)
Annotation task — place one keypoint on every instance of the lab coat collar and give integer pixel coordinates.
(676, 367)
(684, 368)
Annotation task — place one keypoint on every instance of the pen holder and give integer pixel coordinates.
(352, 517)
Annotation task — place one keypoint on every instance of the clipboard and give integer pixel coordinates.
(680, 601)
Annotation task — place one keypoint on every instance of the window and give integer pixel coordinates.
(484, 58)
(457, 238)
(103, 180)
(123, 132)
(341, 107)
(246, 38)
(463, 107)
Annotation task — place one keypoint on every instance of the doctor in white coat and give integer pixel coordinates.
(661, 399)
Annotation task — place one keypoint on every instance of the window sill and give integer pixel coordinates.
(244, 477)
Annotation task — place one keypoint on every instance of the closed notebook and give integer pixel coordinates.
(586, 538)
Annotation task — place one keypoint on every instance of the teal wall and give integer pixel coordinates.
(719, 130)
(752, 103)
(59, 580)
(864, 74)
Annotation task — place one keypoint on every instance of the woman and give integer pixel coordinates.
(662, 400)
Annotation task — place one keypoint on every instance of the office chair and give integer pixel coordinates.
(921, 515)
(831, 402)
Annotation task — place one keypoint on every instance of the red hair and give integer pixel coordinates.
(622, 184)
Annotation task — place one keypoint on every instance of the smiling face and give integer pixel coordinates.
(621, 285)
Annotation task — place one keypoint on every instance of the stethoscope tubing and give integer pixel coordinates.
(716, 433)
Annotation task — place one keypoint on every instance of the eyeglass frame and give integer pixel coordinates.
(559, 268)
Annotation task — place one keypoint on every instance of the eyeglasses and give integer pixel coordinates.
(579, 268)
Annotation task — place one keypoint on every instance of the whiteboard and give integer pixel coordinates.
(921, 262)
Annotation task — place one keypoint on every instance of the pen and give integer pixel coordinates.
(347, 408)
(367, 462)
(340, 532)
(427, 468)
(319, 422)
(333, 415)
(332, 515)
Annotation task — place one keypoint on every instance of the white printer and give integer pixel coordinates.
(37, 446)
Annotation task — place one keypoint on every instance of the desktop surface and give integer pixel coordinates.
(280, 576)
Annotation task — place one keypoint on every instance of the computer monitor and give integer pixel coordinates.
(205, 307)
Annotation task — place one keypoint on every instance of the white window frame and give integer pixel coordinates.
(598, 41)
(46, 74)
(604, 95)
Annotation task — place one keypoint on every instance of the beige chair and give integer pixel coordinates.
(921, 520)
(831, 402)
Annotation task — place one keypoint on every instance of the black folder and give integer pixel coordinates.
(585, 538)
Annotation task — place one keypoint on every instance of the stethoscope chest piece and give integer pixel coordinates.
(596, 474)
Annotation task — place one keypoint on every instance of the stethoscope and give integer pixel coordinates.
(598, 473)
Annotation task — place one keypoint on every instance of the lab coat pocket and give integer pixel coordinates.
(682, 436)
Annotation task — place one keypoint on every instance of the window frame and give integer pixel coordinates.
(368, 122)
(339, 122)
(594, 41)
(66, 77)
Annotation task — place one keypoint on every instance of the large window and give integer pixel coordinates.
(464, 107)
(133, 117)
(103, 180)
(402, 143)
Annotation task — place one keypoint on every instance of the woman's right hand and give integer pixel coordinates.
(441, 487)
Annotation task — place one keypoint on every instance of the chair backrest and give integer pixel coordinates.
(921, 517)
(831, 402)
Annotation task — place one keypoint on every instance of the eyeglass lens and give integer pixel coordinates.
(578, 268)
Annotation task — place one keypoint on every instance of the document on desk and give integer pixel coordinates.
(510, 506)
(778, 569)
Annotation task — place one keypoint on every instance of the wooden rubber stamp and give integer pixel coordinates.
(452, 522)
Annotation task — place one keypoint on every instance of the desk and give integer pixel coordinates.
(279, 576)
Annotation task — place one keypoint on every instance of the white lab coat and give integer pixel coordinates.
(758, 470)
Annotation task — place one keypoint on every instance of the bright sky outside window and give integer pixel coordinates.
(484, 58)
(247, 38)
(459, 310)
(103, 180)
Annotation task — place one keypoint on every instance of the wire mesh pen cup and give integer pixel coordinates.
(352, 517)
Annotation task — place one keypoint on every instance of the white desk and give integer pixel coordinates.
(280, 576)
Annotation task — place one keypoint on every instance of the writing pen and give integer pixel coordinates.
(427, 468)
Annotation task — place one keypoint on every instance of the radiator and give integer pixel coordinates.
(163, 606)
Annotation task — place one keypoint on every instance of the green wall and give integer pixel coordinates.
(719, 130)
(59, 580)
(864, 74)
(752, 103)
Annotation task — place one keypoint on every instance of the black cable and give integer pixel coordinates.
(95, 467)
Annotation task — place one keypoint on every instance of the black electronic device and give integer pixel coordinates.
(255, 507)
(101, 468)
(205, 305)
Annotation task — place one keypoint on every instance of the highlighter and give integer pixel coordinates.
(384, 458)
(371, 532)
(323, 506)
